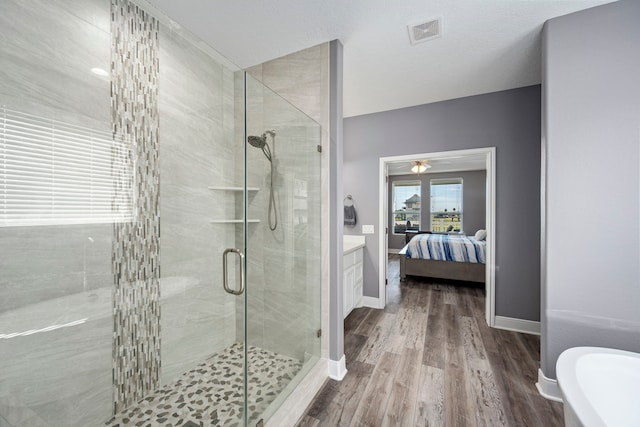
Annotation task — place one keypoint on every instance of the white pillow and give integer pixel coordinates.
(481, 235)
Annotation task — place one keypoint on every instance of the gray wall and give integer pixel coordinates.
(474, 196)
(591, 114)
(508, 120)
(336, 189)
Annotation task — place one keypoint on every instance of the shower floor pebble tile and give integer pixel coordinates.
(211, 394)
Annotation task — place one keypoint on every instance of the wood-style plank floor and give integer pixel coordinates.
(429, 359)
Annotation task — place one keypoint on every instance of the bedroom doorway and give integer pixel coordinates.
(407, 169)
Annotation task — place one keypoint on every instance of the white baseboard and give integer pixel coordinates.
(393, 251)
(371, 302)
(517, 325)
(548, 388)
(337, 368)
(289, 412)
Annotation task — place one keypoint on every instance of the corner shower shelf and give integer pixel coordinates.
(232, 221)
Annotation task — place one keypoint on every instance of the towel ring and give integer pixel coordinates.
(348, 199)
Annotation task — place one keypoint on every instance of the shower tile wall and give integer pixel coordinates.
(301, 78)
(281, 275)
(196, 151)
(257, 209)
(286, 285)
(56, 275)
(62, 275)
(196, 110)
(283, 266)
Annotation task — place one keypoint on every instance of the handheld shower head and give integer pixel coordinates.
(257, 141)
(261, 143)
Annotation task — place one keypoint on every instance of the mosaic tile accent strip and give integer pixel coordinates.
(211, 394)
(136, 243)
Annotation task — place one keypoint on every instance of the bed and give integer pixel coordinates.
(444, 256)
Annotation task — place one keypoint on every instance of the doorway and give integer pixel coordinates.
(449, 161)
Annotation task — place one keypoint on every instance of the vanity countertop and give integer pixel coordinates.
(351, 243)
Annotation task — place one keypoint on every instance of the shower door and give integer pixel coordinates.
(239, 184)
(282, 248)
(240, 209)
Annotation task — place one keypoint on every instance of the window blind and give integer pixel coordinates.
(58, 173)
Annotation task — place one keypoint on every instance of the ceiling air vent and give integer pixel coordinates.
(429, 30)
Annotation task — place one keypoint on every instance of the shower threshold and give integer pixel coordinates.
(211, 394)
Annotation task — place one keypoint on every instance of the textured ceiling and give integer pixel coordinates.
(486, 45)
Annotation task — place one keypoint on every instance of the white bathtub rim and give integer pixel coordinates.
(78, 308)
(570, 390)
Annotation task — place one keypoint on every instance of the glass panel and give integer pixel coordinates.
(90, 332)
(446, 205)
(55, 286)
(406, 206)
(283, 248)
(201, 187)
(102, 320)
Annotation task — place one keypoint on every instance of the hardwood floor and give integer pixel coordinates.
(429, 359)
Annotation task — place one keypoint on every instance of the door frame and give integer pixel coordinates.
(490, 163)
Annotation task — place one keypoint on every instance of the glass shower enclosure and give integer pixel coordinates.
(160, 225)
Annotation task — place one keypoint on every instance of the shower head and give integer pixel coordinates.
(261, 142)
(257, 141)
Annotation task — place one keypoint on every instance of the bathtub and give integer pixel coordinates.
(600, 387)
(57, 354)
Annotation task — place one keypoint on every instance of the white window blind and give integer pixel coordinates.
(58, 173)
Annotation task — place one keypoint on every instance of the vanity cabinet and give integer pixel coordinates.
(352, 280)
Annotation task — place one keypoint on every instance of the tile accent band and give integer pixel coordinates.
(136, 243)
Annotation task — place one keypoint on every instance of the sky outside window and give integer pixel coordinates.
(446, 196)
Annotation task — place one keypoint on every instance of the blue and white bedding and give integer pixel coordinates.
(447, 247)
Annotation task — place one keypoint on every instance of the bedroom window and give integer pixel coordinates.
(406, 206)
(446, 205)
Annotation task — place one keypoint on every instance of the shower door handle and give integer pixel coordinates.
(225, 285)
